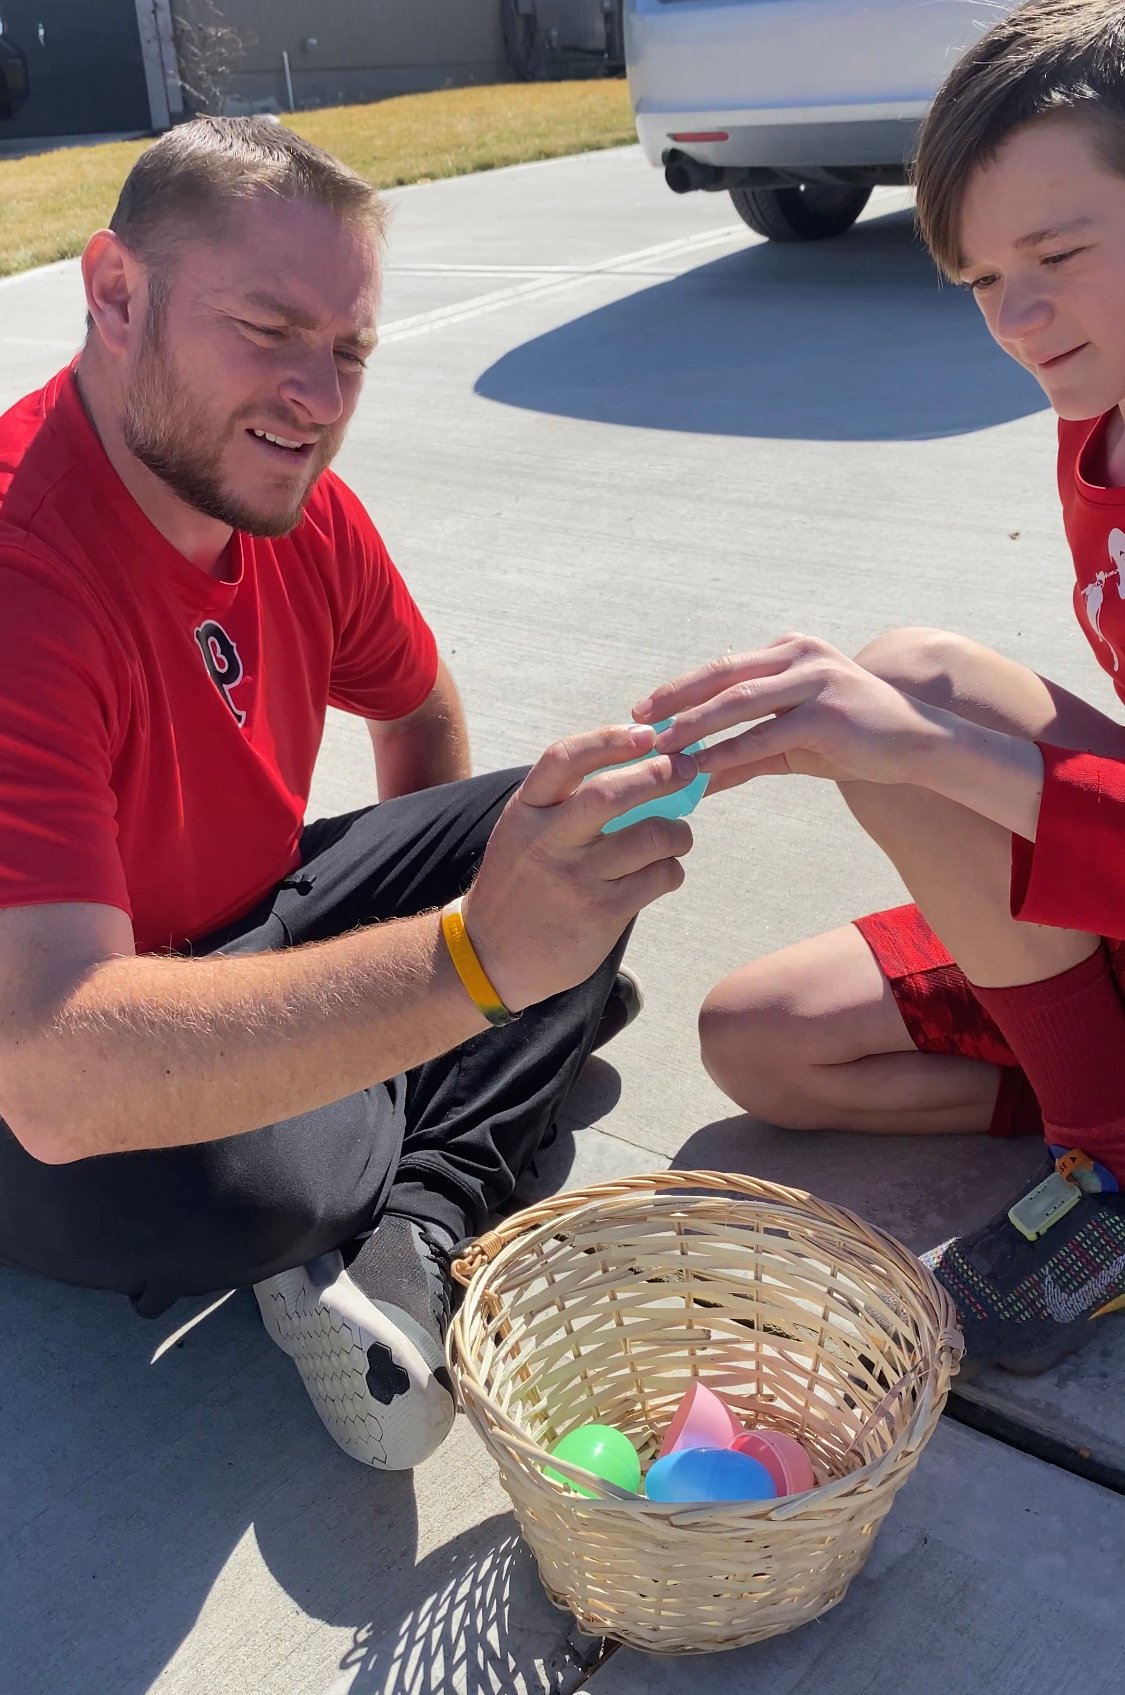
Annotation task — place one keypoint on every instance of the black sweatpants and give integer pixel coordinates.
(445, 1143)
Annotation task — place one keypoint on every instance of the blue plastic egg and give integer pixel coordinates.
(709, 1474)
(679, 805)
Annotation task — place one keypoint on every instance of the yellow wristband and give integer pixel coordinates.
(475, 978)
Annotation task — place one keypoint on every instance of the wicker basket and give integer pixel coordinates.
(602, 1304)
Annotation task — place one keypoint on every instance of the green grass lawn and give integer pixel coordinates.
(50, 202)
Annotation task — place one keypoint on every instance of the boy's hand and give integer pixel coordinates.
(810, 711)
(553, 894)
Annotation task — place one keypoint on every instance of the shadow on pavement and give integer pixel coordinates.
(921, 1189)
(849, 340)
(135, 1464)
(128, 1482)
(480, 1600)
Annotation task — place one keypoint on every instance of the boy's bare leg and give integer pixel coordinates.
(761, 1029)
(810, 1038)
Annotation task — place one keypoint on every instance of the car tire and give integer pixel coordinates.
(811, 212)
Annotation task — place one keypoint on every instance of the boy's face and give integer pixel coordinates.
(1043, 249)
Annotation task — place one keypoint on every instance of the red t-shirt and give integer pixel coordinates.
(1073, 875)
(158, 728)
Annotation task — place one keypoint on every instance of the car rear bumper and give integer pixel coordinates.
(792, 82)
(840, 140)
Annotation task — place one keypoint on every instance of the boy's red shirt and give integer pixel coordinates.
(158, 728)
(1073, 874)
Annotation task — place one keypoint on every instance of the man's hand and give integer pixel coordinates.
(553, 894)
(810, 711)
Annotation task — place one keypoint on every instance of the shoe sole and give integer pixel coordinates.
(329, 1329)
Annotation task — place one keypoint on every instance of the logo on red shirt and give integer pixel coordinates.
(221, 658)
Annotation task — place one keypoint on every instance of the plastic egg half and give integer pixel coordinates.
(709, 1474)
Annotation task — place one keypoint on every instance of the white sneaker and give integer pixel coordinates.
(374, 1366)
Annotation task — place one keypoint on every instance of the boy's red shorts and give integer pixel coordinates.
(941, 1013)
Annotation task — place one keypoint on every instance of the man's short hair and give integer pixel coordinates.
(1045, 59)
(191, 182)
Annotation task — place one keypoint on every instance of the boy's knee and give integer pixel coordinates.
(922, 662)
(751, 1045)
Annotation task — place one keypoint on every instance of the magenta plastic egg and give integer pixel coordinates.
(783, 1457)
(708, 1474)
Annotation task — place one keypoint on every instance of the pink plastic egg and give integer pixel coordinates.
(783, 1457)
(703, 1420)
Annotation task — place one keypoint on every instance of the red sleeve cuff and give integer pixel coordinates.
(1073, 875)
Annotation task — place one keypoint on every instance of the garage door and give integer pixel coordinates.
(85, 67)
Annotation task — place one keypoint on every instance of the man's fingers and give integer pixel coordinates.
(559, 771)
(613, 793)
(643, 887)
(641, 844)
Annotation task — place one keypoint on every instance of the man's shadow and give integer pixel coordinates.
(139, 1454)
(130, 1480)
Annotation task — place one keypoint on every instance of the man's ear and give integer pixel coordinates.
(114, 282)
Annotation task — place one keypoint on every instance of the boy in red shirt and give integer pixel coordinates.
(236, 1049)
(994, 1002)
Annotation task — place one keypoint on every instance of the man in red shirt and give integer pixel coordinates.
(996, 1000)
(238, 1049)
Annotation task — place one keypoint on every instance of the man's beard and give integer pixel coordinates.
(170, 431)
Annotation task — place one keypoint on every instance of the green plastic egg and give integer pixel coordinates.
(600, 1449)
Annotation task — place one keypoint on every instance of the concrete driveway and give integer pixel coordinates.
(609, 434)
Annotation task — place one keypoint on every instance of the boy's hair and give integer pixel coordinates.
(191, 181)
(1045, 59)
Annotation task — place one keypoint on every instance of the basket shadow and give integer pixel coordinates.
(469, 1623)
(851, 340)
(921, 1189)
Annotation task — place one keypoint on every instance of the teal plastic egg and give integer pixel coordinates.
(679, 805)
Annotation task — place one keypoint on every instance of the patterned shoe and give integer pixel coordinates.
(368, 1338)
(1029, 1283)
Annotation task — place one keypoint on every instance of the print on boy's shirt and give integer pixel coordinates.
(224, 666)
(1093, 595)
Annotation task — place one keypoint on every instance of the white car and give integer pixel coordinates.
(797, 107)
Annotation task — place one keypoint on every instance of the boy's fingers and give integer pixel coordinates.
(710, 680)
(775, 766)
(755, 698)
(760, 751)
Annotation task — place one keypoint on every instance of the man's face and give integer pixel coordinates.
(261, 332)
(1043, 249)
